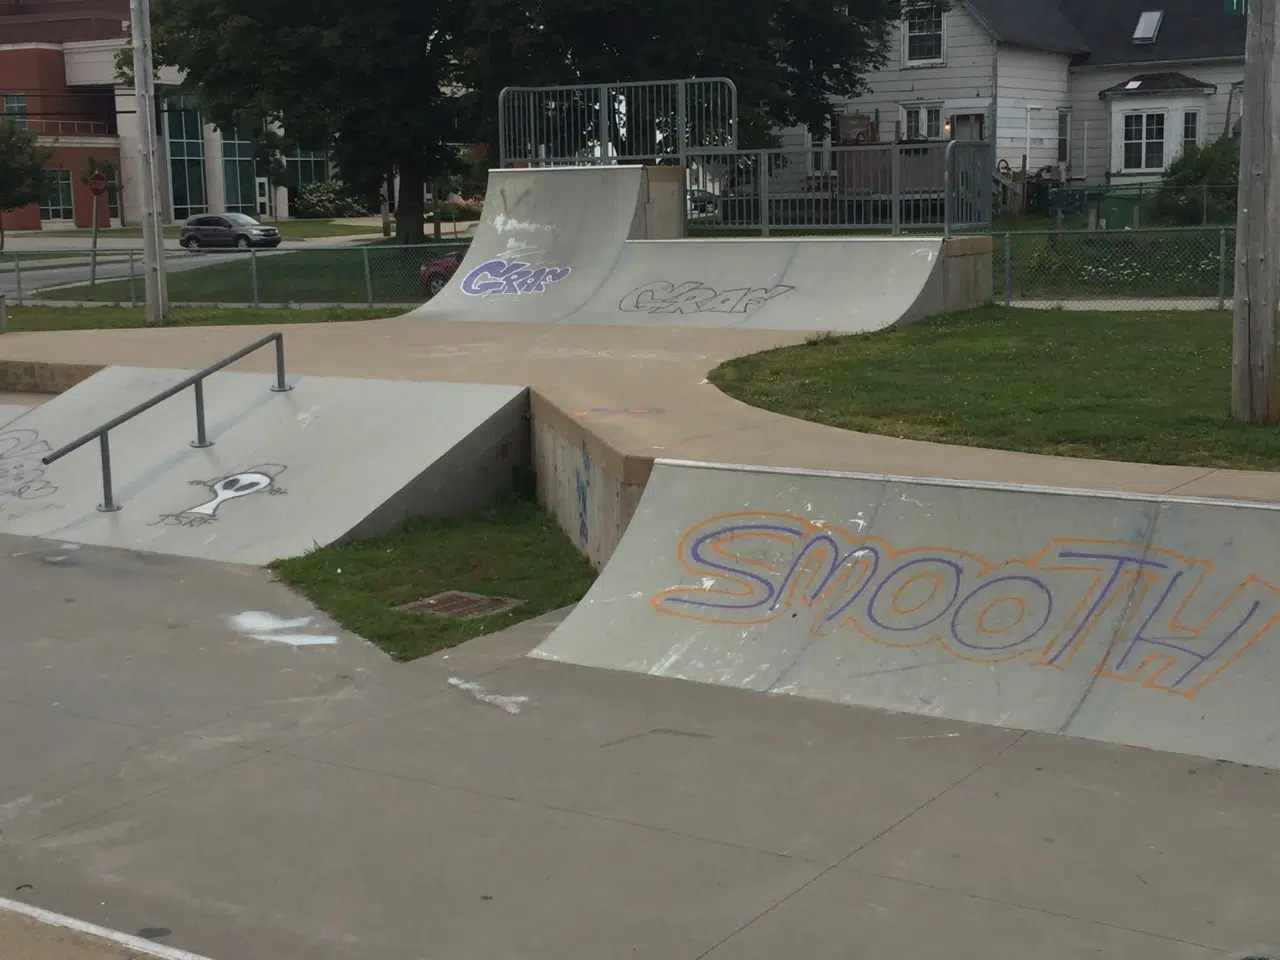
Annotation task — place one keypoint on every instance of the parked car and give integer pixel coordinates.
(227, 230)
(437, 271)
(702, 201)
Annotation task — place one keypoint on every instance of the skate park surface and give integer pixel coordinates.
(185, 773)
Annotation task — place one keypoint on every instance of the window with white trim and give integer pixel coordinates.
(15, 107)
(923, 121)
(1190, 129)
(922, 37)
(820, 159)
(58, 203)
(1144, 141)
(1064, 135)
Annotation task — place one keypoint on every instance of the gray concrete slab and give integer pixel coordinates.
(1139, 620)
(560, 245)
(323, 802)
(352, 456)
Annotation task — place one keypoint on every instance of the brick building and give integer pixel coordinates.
(58, 77)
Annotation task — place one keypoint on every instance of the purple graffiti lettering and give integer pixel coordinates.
(1125, 603)
(510, 278)
(692, 296)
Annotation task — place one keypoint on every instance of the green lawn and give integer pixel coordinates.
(513, 549)
(1145, 386)
(99, 318)
(301, 276)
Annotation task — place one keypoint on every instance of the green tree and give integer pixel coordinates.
(22, 163)
(368, 81)
(788, 58)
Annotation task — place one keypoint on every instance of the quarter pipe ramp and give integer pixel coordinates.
(1145, 621)
(562, 245)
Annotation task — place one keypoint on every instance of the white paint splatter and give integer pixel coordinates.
(906, 499)
(708, 583)
(932, 736)
(511, 705)
(70, 546)
(504, 224)
(268, 628)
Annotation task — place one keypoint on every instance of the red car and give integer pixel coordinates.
(437, 271)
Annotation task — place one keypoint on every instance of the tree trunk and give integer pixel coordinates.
(409, 207)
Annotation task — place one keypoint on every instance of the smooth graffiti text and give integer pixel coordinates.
(1147, 615)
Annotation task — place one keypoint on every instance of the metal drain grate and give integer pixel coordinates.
(459, 603)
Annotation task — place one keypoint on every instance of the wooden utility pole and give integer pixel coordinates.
(1255, 393)
(152, 224)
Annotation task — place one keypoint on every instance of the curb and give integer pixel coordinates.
(143, 947)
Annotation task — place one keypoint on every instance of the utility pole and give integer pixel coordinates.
(152, 224)
(1255, 393)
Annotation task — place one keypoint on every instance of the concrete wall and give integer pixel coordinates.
(966, 273)
(663, 218)
(591, 489)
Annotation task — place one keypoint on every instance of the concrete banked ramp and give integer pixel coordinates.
(287, 471)
(1145, 621)
(559, 245)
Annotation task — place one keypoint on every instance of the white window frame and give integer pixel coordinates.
(1173, 108)
(1063, 155)
(1182, 136)
(15, 108)
(821, 150)
(57, 179)
(940, 59)
(923, 109)
(1145, 114)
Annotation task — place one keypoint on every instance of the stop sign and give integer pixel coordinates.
(98, 184)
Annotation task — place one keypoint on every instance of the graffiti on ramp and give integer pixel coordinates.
(259, 479)
(1151, 616)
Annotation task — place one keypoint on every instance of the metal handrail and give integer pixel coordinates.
(196, 380)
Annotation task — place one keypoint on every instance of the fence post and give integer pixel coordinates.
(133, 279)
(253, 272)
(1008, 269)
(4, 315)
(1222, 268)
(17, 277)
(368, 275)
(1204, 199)
(606, 123)
(764, 193)
(946, 189)
(895, 186)
(682, 121)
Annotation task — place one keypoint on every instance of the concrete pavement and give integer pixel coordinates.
(262, 800)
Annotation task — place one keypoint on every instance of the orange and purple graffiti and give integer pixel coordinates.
(756, 568)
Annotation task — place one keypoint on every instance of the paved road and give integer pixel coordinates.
(55, 273)
(260, 800)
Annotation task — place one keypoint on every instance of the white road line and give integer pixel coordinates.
(146, 947)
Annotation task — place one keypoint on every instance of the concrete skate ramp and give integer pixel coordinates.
(558, 246)
(287, 471)
(546, 241)
(1145, 621)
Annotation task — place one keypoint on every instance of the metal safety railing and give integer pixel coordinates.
(604, 123)
(102, 433)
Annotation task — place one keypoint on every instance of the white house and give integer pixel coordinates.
(1102, 90)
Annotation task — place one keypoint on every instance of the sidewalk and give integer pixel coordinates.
(612, 370)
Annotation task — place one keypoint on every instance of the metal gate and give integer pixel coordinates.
(642, 122)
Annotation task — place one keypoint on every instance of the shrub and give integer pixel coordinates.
(1200, 185)
(325, 199)
(460, 210)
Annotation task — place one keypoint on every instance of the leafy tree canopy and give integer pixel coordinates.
(397, 84)
(22, 162)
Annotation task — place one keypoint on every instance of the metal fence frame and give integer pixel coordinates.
(894, 187)
(703, 113)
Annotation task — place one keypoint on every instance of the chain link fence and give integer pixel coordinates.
(1139, 205)
(1161, 268)
(347, 275)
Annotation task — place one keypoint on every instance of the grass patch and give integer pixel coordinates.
(105, 318)
(302, 276)
(1148, 387)
(512, 549)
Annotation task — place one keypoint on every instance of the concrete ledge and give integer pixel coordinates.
(21, 376)
(966, 273)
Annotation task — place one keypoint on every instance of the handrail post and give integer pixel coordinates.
(202, 438)
(281, 386)
(108, 504)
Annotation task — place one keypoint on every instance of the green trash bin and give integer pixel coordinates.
(1117, 209)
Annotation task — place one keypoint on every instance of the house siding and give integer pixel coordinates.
(962, 84)
(1087, 108)
(1030, 78)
